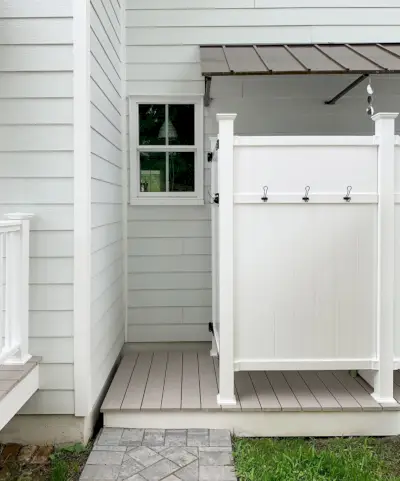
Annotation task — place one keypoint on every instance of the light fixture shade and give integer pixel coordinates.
(172, 134)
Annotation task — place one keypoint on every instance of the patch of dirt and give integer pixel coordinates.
(42, 463)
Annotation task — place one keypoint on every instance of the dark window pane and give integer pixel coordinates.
(152, 172)
(181, 171)
(181, 125)
(151, 124)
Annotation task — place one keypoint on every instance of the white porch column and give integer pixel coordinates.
(383, 378)
(22, 307)
(226, 394)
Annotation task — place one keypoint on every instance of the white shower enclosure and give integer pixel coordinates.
(306, 248)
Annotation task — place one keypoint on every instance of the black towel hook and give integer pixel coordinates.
(347, 197)
(306, 198)
(264, 198)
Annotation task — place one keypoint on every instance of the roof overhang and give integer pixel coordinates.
(377, 58)
(310, 59)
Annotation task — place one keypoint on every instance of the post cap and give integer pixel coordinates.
(384, 115)
(19, 216)
(226, 117)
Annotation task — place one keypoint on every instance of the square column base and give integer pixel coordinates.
(386, 402)
(226, 401)
(17, 360)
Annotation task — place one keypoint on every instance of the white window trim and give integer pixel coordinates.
(167, 198)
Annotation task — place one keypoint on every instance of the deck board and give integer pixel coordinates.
(264, 391)
(172, 397)
(396, 392)
(343, 397)
(320, 391)
(365, 385)
(363, 398)
(155, 384)
(246, 392)
(396, 386)
(304, 396)
(137, 384)
(188, 381)
(283, 392)
(208, 382)
(119, 385)
(396, 377)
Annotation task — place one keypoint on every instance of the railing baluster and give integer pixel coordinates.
(2, 307)
(17, 331)
(24, 289)
(11, 321)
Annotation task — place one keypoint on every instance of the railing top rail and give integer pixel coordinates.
(303, 141)
(10, 222)
(10, 226)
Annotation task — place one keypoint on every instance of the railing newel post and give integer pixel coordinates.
(17, 289)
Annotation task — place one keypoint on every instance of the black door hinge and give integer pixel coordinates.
(210, 155)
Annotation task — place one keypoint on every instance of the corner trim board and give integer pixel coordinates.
(82, 207)
(125, 163)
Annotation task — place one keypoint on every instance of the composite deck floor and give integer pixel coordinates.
(189, 381)
(11, 375)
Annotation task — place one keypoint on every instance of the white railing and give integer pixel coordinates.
(14, 289)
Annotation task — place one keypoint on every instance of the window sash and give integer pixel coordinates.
(136, 149)
(187, 194)
(167, 148)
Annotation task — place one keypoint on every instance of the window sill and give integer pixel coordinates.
(166, 201)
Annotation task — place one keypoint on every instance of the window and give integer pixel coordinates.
(166, 146)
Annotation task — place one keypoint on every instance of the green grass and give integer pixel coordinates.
(66, 463)
(337, 459)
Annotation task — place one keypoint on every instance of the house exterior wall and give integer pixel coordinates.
(36, 175)
(107, 319)
(169, 247)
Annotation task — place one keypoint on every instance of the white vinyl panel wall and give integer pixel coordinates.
(169, 247)
(36, 175)
(318, 282)
(107, 319)
(397, 254)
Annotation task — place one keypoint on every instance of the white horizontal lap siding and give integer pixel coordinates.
(261, 17)
(169, 247)
(36, 175)
(169, 266)
(107, 321)
(233, 4)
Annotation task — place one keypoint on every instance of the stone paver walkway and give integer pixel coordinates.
(160, 455)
